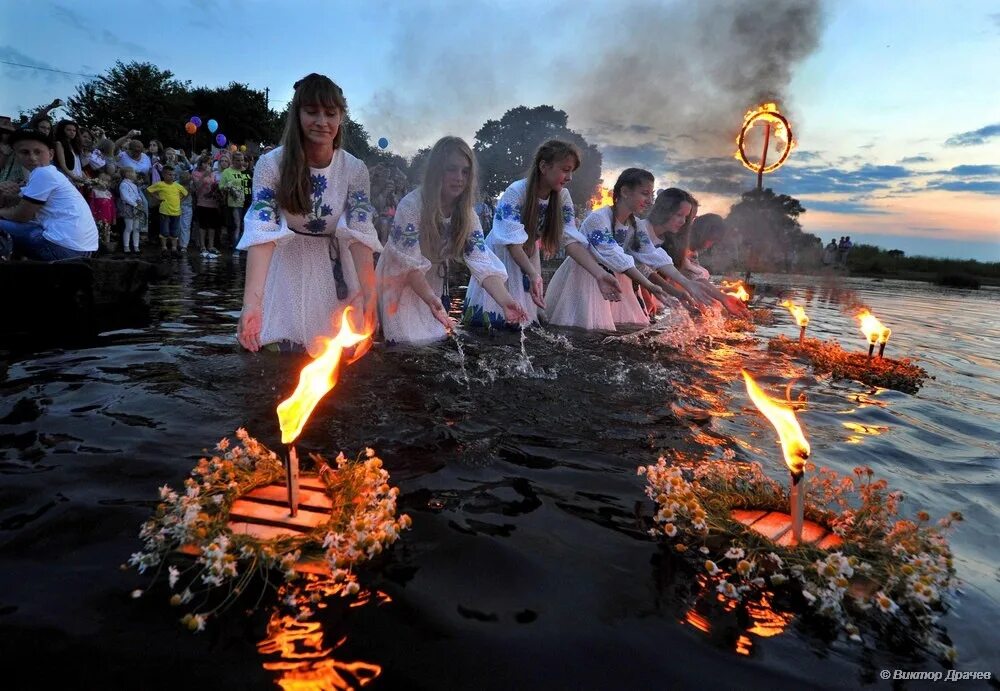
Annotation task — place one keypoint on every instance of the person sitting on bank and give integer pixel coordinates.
(52, 220)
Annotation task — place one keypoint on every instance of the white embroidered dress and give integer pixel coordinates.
(301, 300)
(574, 298)
(405, 317)
(480, 308)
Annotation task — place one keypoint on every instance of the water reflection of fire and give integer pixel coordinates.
(295, 647)
(765, 620)
(602, 197)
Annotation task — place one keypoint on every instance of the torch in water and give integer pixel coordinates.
(793, 445)
(800, 318)
(737, 290)
(875, 332)
(315, 380)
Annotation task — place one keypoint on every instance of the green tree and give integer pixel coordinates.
(242, 113)
(134, 96)
(504, 148)
(770, 233)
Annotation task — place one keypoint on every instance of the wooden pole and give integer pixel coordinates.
(763, 156)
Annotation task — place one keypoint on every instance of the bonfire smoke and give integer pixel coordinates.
(691, 70)
(663, 74)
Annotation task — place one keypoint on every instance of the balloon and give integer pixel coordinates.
(383, 143)
(190, 128)
(220, 138)
(212, 126)
(243, 147)
(232, 147)
(196, 120)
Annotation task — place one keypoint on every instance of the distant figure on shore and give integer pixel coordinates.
(830, 253)
(843, 249)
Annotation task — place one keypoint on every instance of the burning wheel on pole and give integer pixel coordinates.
(774, 123)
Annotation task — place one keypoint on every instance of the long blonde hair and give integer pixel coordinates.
(553, 152)
(294, 191)
(433, 243)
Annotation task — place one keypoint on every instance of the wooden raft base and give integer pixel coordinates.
(263, 513)
(778, 528)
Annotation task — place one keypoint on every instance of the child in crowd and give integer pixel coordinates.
(206, 193)
(535, 214)
(187, 208)
(234, 184)
(170, 193)
(574, 297)
(102, 205)
(434, 225)
(133, 210)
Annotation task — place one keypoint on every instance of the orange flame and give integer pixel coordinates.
(793, 441)
(318, 377)
(872, 328)
(736, 289)
(602, 197)
(800, 314)
(765, 113)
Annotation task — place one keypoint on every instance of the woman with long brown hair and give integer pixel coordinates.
(535, 214)
(434, 225)
(574, 297)
(308, 232)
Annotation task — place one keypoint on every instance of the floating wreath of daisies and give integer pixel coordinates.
(889, 573)
(362, 523)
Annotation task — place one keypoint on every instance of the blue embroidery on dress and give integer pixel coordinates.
(266, 206)
(325, 210)
(359, 207)
(407, 237)
(474, 315)
(568, 214)
(476, 241)
(318, 184)
(601, 236)
(315, 225)
(620, 234)
(507, 211)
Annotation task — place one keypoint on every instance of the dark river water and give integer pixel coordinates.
(528, 565)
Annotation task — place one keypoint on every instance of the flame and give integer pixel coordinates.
(736, 289)
(318, 377)
(872, 328)
(602, 197)
(793, 441)
(765, 113)
(800, 314)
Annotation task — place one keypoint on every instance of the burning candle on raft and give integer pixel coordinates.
(315, 380)
(800, 318)
(874, 331)
(793, 445)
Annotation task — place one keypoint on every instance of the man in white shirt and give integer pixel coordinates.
(52, 220)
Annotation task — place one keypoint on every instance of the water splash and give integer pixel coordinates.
(558, 340)
(525, 360)
(461, 355)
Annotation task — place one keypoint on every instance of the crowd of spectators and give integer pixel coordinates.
(131, 195)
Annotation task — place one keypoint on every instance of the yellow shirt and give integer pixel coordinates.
(170, 194)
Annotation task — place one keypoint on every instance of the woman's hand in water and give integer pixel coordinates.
(736, 307)
(248, 329)
(441, 314)
(513, 313)
(609, 287)
(658, 293)
(538, 292)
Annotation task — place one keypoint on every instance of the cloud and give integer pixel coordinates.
(78, 21)
(980, 186)
(975, 137)
(916, 159)
(645, 156)
(973, 171)
(843, 207)
(26, 73)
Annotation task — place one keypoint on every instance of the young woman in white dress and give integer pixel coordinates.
(434, 225)
(308, 231)
(671, 222)
(574, 296)
(534, 215)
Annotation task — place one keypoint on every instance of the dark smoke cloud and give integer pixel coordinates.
(675, 77)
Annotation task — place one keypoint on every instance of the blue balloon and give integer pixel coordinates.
(212, 126)
(383, 143)
(220, 138)
(196, 120)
